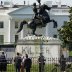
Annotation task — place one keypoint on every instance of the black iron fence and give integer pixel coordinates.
(51, 65)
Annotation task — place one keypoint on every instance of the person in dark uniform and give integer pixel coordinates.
(18, 61)
(0, 63)
(27, 63)
(41, 61)
(62, 63)
(3, 63)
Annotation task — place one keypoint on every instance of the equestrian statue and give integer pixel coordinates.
(41, 18)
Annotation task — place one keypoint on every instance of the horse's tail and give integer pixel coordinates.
(21, 25)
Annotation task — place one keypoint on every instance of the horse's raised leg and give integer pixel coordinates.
(55, 23)
(33, 30)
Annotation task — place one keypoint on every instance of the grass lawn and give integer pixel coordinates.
(10, 68)
(35, 68)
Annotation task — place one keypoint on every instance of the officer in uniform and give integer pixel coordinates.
(41, 61)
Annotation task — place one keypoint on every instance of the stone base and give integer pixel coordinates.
(34, 45)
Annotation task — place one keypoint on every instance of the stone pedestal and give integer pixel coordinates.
(34, 45)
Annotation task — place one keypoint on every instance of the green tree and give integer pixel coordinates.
(65, 32)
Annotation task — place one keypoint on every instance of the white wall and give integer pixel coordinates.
(5, 31)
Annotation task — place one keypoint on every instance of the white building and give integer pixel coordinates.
(11, 17)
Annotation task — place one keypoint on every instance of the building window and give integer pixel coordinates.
(1, 39)
(55, 36)
(16, 38)
(1, 24)
(16, 24)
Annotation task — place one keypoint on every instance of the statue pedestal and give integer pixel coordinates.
(34, 45)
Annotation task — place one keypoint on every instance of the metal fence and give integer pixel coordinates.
(51, 65)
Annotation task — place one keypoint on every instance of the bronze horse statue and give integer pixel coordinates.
(40, 20)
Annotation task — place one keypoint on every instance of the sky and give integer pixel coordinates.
(66, 2)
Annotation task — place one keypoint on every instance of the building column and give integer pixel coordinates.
(9, 30)
(22, 34)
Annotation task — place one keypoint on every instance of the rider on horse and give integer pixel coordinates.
(40, 19)
(42, 14)
(35, 10)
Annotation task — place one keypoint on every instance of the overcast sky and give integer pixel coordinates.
(66, 2)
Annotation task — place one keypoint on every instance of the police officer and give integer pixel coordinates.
(3, 63)
(41, 61)
(27, 63)
(18, 61)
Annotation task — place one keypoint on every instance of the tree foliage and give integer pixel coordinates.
(65, 32)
